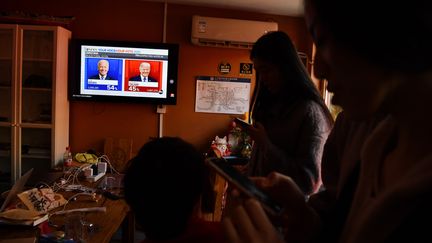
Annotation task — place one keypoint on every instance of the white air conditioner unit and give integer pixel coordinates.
(222, 32)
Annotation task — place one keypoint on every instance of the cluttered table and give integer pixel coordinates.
(100, 215)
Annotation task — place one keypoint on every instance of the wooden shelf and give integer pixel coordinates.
(33, 59)
(36, 125)
(36, 156)
(36, 89)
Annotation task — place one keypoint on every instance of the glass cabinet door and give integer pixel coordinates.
(34, 110)
(37, 71)
(36, 99)
(35, 149)
(6, 107)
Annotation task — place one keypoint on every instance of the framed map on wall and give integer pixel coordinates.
(227, 95)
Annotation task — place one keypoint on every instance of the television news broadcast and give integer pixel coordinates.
(140, 72)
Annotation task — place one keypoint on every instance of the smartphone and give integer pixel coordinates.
(243, 183)
(242, 123)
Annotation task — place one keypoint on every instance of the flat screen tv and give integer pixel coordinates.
(118, 71)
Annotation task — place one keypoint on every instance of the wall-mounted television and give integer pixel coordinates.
(118, 71)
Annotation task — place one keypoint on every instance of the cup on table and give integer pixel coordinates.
(108, 183)
(76, 229)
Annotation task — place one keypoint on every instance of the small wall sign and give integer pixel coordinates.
(246, 68)
(224, 68)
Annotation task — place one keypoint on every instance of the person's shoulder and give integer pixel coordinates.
(198, 230)
(204, 231)
(315, 114)
(345, 125)
(308, 107)
(135, 78)
(94, 77)
(298, 109)
(311, 104)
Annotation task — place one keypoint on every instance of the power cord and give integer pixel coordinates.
(104, 158)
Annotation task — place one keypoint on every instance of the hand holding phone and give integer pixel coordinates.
(242, 123)
(244, 184)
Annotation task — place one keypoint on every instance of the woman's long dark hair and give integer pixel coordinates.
(277, 49)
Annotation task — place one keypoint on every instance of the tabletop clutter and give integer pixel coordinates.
(36, 206)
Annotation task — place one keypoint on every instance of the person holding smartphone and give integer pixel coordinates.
(290, 119)
(379, 65)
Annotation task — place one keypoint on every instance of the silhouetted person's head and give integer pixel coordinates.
(163, 184)
(281, 74)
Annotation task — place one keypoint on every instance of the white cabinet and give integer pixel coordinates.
(34, 108)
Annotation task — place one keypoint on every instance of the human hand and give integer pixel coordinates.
(298, 220)
(282, 189)
(249, 223)
(258, 133)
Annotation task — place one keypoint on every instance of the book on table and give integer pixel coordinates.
(10, 219)
(19, 216)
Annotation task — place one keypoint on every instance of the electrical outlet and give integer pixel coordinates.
(161, 109)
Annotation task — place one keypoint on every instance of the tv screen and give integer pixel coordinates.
(124, 71)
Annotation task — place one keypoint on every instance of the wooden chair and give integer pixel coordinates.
(216, 196)
(213, 200)
(119, 152)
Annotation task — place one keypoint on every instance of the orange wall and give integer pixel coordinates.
(134, 20)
